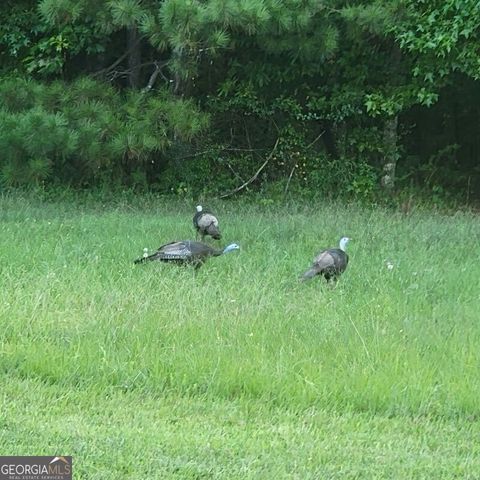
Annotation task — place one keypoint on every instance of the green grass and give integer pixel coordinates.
(239, 370)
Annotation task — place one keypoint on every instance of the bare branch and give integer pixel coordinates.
(257, 173)
(288, 182)
(112, 75)
(197, 154)
(234, 172)
(315, 141)
(155, 74)
(248, 182)
(223, 149)
(295, 165)
(231, 149)
(119, 60)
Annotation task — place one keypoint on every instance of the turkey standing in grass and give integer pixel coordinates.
(206, 223)
(330, 263)
(186, 251)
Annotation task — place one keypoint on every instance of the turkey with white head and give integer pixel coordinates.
(206, 223)
(330, 263)
(186, 252)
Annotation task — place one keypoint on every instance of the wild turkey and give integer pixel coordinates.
(330, 263)
(186, 252)
(206, 223)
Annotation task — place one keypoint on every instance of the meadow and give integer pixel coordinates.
(239, 370)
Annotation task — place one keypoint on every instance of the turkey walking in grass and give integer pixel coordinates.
(329, 263)
(187, 252)
(206, 223)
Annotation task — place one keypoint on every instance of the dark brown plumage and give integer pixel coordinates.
(206, 223)
(330, 263)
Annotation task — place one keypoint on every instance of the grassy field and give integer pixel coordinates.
(240, 371)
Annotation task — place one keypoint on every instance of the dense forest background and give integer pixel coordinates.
(364, 99)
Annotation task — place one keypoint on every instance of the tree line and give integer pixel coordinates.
(361, 98)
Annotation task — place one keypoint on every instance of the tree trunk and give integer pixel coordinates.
(134, 57)
(178, 83)
(329, 141)
(390, 157)
(340, 132)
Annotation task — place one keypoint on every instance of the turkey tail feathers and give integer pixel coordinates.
(310, 273)
(214, 232)
(150, 258)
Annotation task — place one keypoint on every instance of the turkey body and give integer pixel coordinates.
(206, 223)
(186, 252)
(330, 263)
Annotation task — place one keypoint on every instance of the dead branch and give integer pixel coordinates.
(223, 149)
(118, 61)
(257, 173)
(232, 149)
(114, 74)
(288, 181)
(295, 166)
(155, 74)
(234, 172)
(315, 141)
